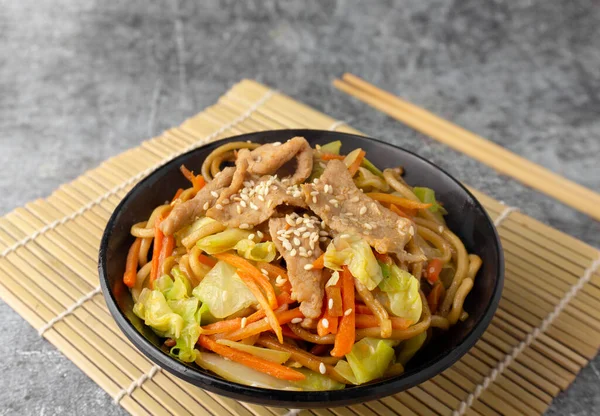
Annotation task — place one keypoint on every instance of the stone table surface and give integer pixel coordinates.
(82, 80)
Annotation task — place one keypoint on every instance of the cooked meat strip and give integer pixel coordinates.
(268, 158)
(297, 239)
(345, 209)
(256, 202)
(185, 212)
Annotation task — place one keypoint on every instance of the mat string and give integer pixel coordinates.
(137, 177)
(137, 383)
(293, 412)
(532, 336)
(337, 124)
(504, 215)
(68, 311)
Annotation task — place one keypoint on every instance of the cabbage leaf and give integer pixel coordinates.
(355, 253)
(400, 292)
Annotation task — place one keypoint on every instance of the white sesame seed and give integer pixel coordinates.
(322, 368)
(313, 193)
(260, 234)
(297, 241)
(440, 229)
(280, 280)
(263, 271)
(238, 209)
(251, 237)
(244, 320)
(363, 210)
(214, 194)
(293, 252)
(411, 230)
(296, 320)
(287, 245)
(219, 207)
(345, 236)
(245, 196)
(309, 253)
(253, 206)
(243, 203)
(348, 312)
(330, 303)
(276, 144)
(297, 233)
(206, 205)
(326, 187)
(308, 266)
(334, 201)
(299, 221)
(269, 203)
(355, 199)
(306, 235)
(225, 201)
(368, 226)
(316, 180)
(325, 323)
(290, 221)
(431, 270)
(261, 198)
(244, 226)
(314, 199)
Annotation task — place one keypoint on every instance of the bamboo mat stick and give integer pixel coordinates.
(495, 156)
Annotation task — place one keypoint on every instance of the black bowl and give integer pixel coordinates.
(466, 218)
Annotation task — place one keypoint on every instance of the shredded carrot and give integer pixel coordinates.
(285, 299)
(383, 257)
(319, 263)
(262, 300)
(370, 321)
(158, 242)
(331, 156)
(287, 332)
(397, 200)
(222, 326)
(328, 323)
(197, 181)
(130, 274)
(177, 194)
(275, 271)
(334, 295)
(406, 213)
(256, 275)
(434, 297)
(263, 325)
(204, 259)
(344, 339)
(353, 168)
(433, 269)
(166, 250)
(260, 364)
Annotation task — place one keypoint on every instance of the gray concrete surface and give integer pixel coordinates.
(81, 80)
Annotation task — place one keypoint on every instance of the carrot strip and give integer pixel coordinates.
(353, 168)
(274, 271)
(158, 242)
(197, 181)
(370, 321)
(434, 297)
(397, 200)
(263, 325)
(256, 275)
(177, 194)
(331, 156)
(319, 263)
(260, 364)
(209, 261)
(130, 274)
(382, 257)
(344, 339)
(227, 325)
(166, 250)
(287, 332)
(335, 294)
(406, 213)
(262, 300)
(433, 269)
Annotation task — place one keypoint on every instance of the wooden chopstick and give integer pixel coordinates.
(493, 155)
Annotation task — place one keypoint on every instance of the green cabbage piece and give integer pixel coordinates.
(371, 167)
(275, 356)
(332, 147)
(317, 381)
(223, 241)
(355, 253)
(367, 181)
(410, 347)
(223, 291)
(175, 289)
(174, 317)
(402, 291)
(370, 358)
(343, 369)
(256, 251)
(427, 195)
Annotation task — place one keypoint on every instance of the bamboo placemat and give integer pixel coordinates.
(542, 335)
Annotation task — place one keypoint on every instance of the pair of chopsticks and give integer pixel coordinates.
(493, 155)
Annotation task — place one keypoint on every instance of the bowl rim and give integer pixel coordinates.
(279, 398)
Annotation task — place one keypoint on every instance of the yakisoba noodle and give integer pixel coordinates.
(219, 290)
